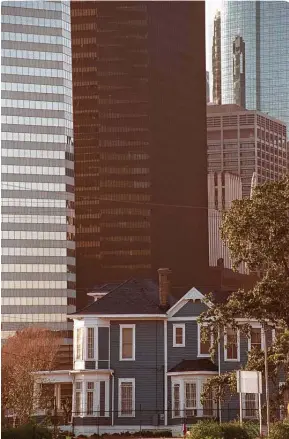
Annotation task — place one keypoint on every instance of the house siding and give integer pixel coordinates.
(147, 370)
(191, 309)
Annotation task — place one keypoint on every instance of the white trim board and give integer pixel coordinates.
(193, 294)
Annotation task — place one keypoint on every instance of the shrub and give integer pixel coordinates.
(279, 430)
(229, 430)
(207, 430)
(27, 431)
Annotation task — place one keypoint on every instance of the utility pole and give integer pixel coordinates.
(266, 378)
(55, 418)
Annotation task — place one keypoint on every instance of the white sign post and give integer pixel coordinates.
(250, 382)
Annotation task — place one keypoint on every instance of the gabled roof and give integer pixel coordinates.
(200, 365)
(130, 297)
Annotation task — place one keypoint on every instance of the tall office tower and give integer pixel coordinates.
(239, 66)
(223, 188)
(216, 60)
(264, 27)
(246, 142)
(139, 94)
(208, 86)
(38, 248)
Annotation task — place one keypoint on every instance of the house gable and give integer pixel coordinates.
(191, 304)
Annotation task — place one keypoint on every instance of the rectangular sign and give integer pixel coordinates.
(249, 381)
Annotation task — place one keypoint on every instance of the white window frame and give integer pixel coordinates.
(120, 382)
(238, 347)
(182, 381)
(175, 327)
(79, 414)
(121, 327)
(199, 342)
(245, 416)
(79, 337)
(176, 383)
(87, 347)
(262, 337)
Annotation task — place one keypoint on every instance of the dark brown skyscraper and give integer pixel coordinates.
(140, 140)
(216, 60)
(239, 66)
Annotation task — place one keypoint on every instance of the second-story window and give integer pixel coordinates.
(255, 340)
(127, 342)
(90, 343)
(204, 341)
(79, 344)
(232, 345)
(179, 335)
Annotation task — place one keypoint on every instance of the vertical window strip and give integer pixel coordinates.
(79, 345)
(176, 398)
(126, 398)
(90, 343)
(78, 389)
(89, 399)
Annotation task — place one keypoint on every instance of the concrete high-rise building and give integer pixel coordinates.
(263, 27)
(245, 142)
(140, 140)
(223, 188)
(38, 248)
(216, 61)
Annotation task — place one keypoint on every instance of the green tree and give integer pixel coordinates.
(256, 232)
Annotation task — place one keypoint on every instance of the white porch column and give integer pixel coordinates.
(36, 395)
(57, 395)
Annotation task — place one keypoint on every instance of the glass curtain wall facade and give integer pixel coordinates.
(38, 248)
(264, 28)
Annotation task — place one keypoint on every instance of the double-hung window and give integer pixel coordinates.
(205, 341)
(191, 398)
(127, 342)
(176, 400)
(90, 398)
(250, 405)
(179, 335)
(255, 340)
(187, 398)
(232, 345)
(90, 343)
(78, 396)
(126, 397)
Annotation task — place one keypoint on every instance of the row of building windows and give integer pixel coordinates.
(50, 6)
(36, 38)
(126, 253)
(34, 284)
(33, 301)
(125, 238)
(37, 105)
(33, 153)
(125, 184)
(127, 224)
(41, 121)
(117, 211)
(34, 71)
(123, 156)
(123, 170)
(37, 251)
(36, 55)
(33, 318)
(34, 268)
(36, 170)
(129, 267)
(23, 186)
(122, 197)
(36, 88)
(37, 202)
(33, 21)
(28, 234)
(33, 137)
(35, 219)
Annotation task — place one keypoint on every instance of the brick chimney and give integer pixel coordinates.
(164, 286)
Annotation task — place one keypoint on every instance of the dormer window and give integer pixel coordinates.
(179, 335)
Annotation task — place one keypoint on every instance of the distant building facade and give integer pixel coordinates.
(245, 142)
(139, 106)
(208, 86)
(217, 61)
(263, 26)
(223, 188)
(38, 246)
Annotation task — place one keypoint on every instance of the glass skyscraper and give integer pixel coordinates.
(38, 248)
(255, 56)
